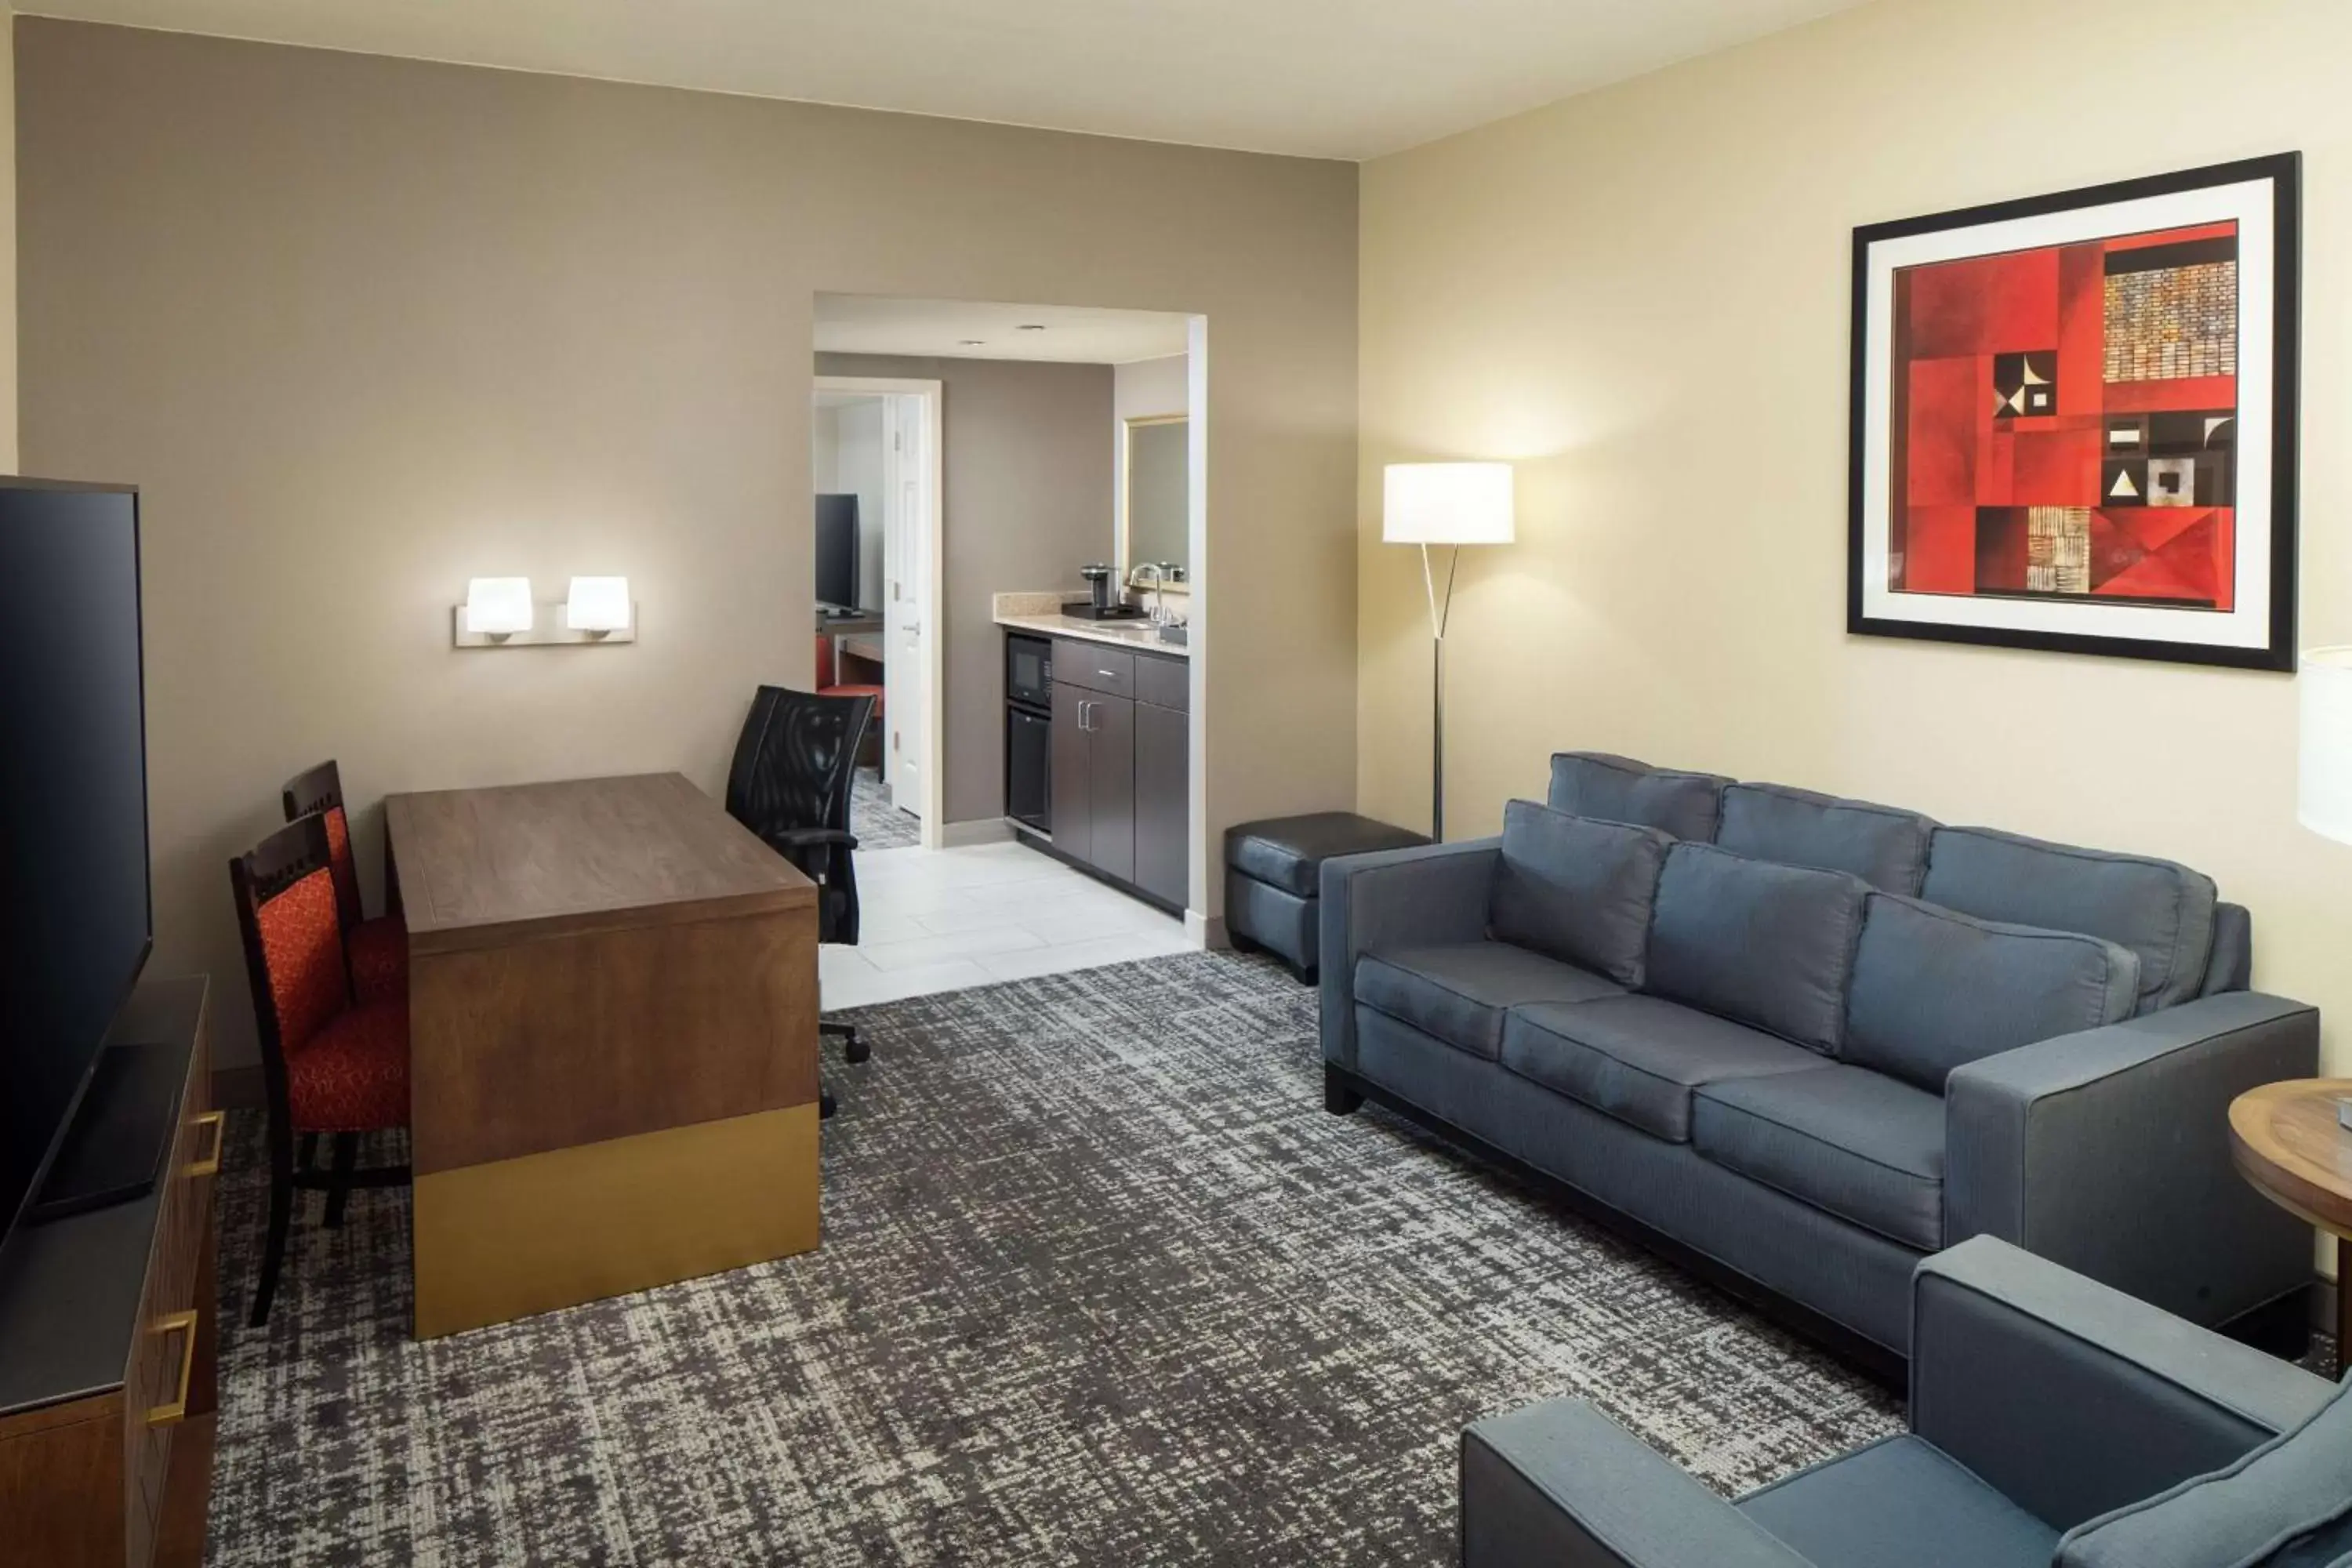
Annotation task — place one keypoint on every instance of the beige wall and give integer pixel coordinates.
(1642, 296)
(364, 326)
(8, 242)
(1026, 502)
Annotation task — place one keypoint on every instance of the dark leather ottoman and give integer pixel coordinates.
(1274, 873)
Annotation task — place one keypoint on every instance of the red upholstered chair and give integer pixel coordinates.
(826, 685)
(376, 951)
(869, 750)
(329, 1064)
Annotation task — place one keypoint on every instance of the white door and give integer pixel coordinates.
(904, 562)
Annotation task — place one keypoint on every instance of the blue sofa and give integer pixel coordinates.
(1800, 1043)
(2050, 1418)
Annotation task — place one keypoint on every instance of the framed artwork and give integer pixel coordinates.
(2073, 421)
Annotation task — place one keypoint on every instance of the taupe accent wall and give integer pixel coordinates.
(1026, 497)
(362, 328)
(1642, 296)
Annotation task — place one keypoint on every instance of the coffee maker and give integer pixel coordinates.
(1105, 602)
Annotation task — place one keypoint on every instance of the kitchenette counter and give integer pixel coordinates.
(1041, 614)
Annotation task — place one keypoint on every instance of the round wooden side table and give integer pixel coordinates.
(2285, 1139)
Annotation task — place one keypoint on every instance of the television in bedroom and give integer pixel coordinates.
(73, 837)
(836, 552)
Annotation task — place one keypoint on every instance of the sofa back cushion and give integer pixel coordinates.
(1886, 848)
(2161, 911)
(2288, 1504)
(1576, 889)
(1934, 989)
(1619, 789)
(1767, 944)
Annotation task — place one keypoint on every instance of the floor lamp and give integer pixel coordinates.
(1451, 504)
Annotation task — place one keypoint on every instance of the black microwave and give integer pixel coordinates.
(1029, 670)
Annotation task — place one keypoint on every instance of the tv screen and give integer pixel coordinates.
(836, 552)
(73, 804)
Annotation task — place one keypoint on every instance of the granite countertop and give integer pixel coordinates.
(1042, 614)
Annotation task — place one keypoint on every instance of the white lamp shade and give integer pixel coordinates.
(1446, 503)
(597, 604)
(2325, 803)
(497, 606)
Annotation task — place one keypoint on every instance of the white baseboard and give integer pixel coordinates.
(987, 830)
(1207, 931)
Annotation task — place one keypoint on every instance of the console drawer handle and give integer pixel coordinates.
(210, 1164)
(183, 1324)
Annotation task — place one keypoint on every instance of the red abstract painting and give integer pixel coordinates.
(2065, 423)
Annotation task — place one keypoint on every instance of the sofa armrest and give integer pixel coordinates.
(1559, 1485)
(2071, 1398)
(2108, 1151)
(1422, 897)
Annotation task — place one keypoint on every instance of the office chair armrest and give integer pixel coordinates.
(809, 837)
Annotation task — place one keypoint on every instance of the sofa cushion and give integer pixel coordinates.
(1638, 1057)
(1619, 789)
(2161, 911)
(1883, 847)
(1901, 1499)
(1934, 989)
(1459, 993)
(1767, 944)
(1578, 889)
(2287, 1504)
(1288, 852)
(1851, 1143)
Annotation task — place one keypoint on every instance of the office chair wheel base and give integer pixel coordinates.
(856, 1049)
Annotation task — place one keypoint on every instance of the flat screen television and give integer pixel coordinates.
(836, 552)
(73, 808)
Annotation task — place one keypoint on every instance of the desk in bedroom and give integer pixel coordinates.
(613, 1006)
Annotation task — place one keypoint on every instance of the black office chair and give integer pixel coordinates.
(790, 783)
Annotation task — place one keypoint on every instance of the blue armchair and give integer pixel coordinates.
(2039, 1400)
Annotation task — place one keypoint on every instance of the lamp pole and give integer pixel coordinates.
(1440, 611)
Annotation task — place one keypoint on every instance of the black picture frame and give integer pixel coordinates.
(2284, 171)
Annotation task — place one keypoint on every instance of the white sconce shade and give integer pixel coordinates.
(2324, 804)
(1447, 504)
(497, 606)
(597, 604)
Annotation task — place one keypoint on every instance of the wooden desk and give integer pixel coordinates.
(613, 1006)
(2285, 1141)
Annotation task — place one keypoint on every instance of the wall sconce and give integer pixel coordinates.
(500, 611)
(497, 607)
(598, 605)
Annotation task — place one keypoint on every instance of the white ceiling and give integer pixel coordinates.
(874, 324)
(1334, 78)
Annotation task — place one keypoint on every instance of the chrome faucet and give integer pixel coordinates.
(1158, 576)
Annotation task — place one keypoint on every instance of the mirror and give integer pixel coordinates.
(1155, 513)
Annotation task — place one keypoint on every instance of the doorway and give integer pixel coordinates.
(876, 458)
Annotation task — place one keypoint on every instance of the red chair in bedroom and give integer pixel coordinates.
(870, 751)
(329, 1063)
(376, 950)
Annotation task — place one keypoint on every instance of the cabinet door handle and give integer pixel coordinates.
(1086, 716)
(184, 1325)
(210, 1164)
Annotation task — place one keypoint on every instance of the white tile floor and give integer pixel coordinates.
(942, 920)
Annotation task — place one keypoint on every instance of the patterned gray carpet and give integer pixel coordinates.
(878, 824)
(1102, 1283)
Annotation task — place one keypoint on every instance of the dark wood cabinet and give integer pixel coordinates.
(1073, 773)
(1110, 785)
(107, 1348)
(1121, 773)
(1163, 817)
